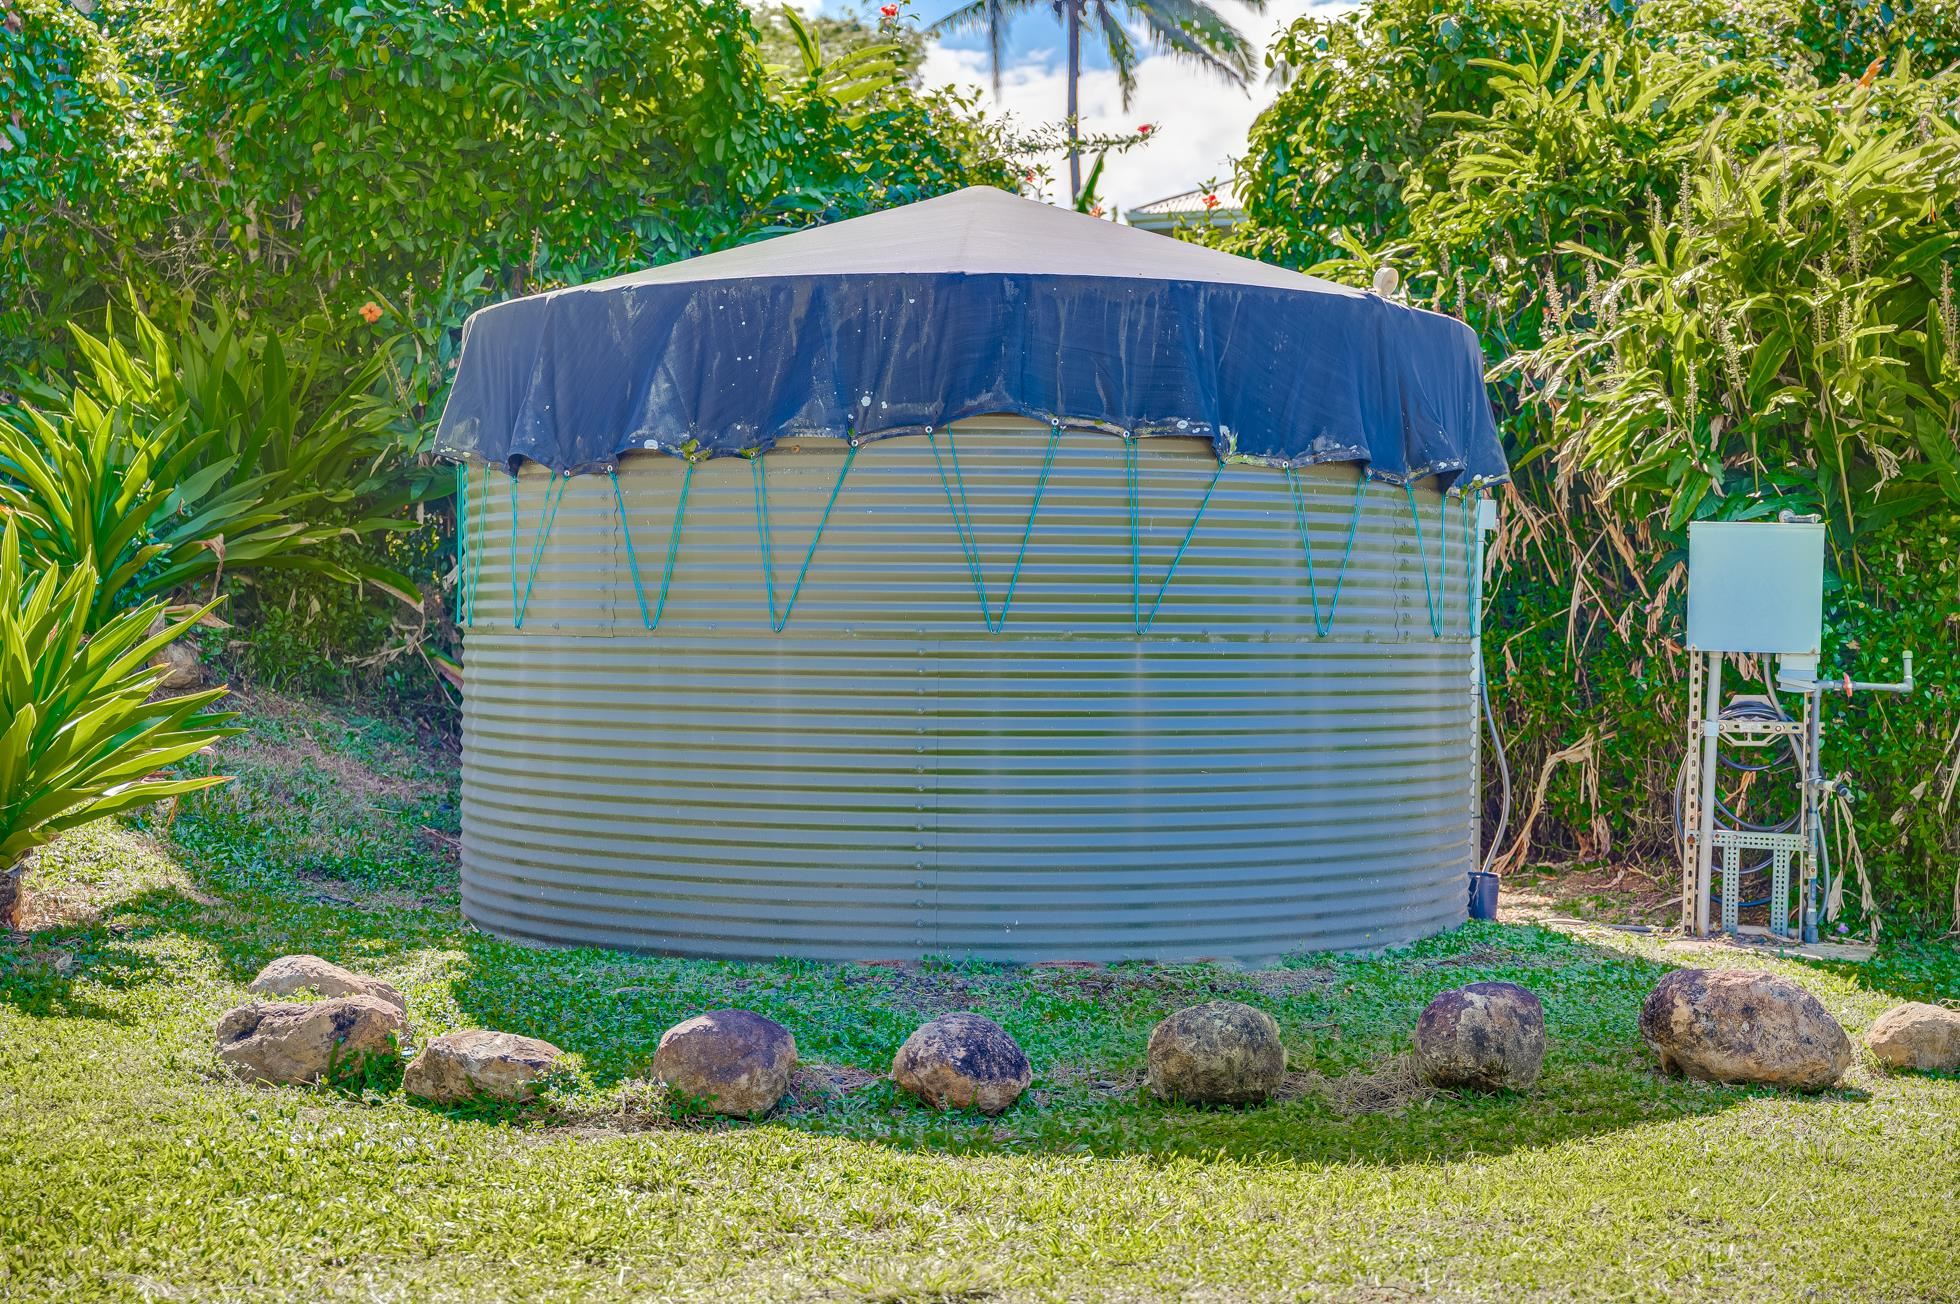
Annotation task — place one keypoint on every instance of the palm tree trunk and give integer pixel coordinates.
(1074, 11)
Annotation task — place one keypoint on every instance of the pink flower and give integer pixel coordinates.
(1145, 129)
(1095, 210)
(889, 11)
(1211, 202)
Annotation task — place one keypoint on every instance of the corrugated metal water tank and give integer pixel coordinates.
(889, 769)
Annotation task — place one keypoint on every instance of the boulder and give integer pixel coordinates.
(1740, 1025)
(1917, 1036)
(269, 1041)
(962, 1061)
(180, 666)
(736, 1061)
(1220, 1053)
(1483, 1037)
(463, 1065)
(178, 661)
(300, 973)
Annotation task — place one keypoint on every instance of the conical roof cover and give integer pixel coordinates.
(976, 302)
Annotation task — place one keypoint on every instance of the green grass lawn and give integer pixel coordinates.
(131, 1168)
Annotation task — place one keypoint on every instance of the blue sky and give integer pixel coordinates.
(1202, 122)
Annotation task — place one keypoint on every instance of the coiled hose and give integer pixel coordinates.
(1789, 755)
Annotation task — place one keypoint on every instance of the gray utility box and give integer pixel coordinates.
(1755, 586)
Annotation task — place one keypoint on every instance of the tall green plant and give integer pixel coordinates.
(1786, 340)
(179, 459)
(84, 736)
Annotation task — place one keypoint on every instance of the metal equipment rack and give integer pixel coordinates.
(1756, 589)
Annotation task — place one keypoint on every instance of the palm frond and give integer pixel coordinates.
(1122, 50)
(1198, 33)
(993, 17)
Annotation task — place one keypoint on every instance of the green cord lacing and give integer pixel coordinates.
(963, 522)
(481, 545)
(1141, 622)
(777, 622)
(652, 620)
(1470, 502)
(1324, 627)
(554, 493)
(470, 555)
(462, 542)
(1436, 595)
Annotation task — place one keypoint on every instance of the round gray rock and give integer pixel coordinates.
(269, 1041)
(1739, 1025)
(463, 1065)
(736, 1061)
(963, 1061)
(309, 973)
(1917, 1036)
(1483, 1037)
(1220, 1053)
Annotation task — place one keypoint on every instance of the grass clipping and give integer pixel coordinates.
(1386, 1088)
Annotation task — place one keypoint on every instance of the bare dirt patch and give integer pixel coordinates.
(1622, 895)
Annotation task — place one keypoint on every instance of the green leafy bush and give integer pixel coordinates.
(297, 157)
(80, 132)
(179, 459)
(83, 737)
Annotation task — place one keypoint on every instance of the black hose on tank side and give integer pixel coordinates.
(1503, 773)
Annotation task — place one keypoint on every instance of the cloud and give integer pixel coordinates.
(1201, 121)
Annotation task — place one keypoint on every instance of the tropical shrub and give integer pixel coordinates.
(83, 736)
(172, 461)
(1708, 248)
(1788, 340)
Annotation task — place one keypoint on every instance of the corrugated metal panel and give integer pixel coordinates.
(886, 777)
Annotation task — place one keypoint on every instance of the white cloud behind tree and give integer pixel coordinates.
(1201, 122)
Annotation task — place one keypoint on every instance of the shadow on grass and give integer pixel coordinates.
(1913, 969)
(1084, 1028)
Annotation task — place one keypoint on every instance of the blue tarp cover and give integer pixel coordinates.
(977, 302)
